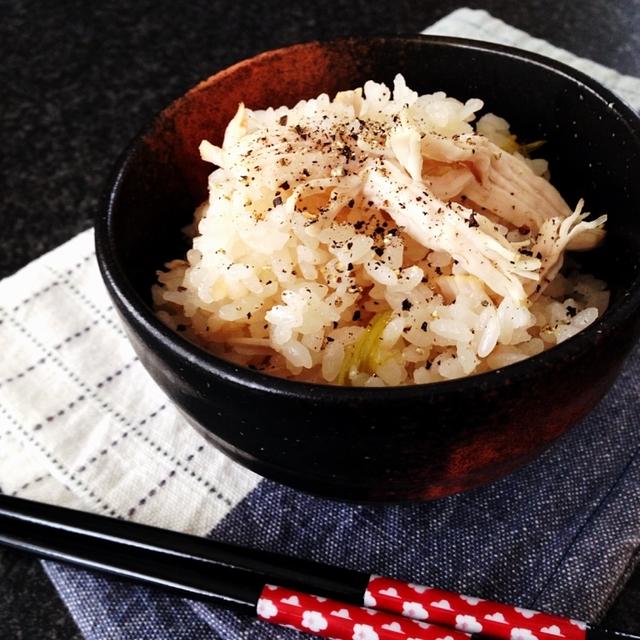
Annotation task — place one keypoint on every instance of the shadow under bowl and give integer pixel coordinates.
(391, 444)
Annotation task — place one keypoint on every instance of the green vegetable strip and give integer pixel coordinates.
(364, 354)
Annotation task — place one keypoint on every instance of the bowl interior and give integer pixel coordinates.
(592, 139)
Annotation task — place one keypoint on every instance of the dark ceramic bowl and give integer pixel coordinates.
(392, 444)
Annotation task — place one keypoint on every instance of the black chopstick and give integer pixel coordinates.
(235, 576)
(200, 569)
(98, 540)
(181, 576)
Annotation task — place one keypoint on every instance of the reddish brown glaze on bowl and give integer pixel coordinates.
(393, 444)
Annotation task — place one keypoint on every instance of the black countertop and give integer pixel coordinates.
(79, 79)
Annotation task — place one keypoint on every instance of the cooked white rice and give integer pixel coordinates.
(378, 239)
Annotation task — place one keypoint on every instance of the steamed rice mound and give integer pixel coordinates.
(379, 239)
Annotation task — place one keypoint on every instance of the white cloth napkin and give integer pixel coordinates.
(83, 425)
(81, 422)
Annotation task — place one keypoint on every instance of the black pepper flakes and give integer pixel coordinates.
(406, 305)
(282, 121)
(351, 203)
(346, 152)
(356, 315)
(277, 201)
(571, 311)
(424, 326)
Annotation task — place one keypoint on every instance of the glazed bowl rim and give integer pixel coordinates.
(130, 302)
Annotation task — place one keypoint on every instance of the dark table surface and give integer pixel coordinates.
(78, 79)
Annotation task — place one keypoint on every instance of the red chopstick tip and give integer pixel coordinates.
(468, 613)
(330, 618)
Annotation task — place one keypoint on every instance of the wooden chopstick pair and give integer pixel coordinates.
(310, 596)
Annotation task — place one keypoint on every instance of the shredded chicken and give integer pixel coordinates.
(451, 189)
(450, 227)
